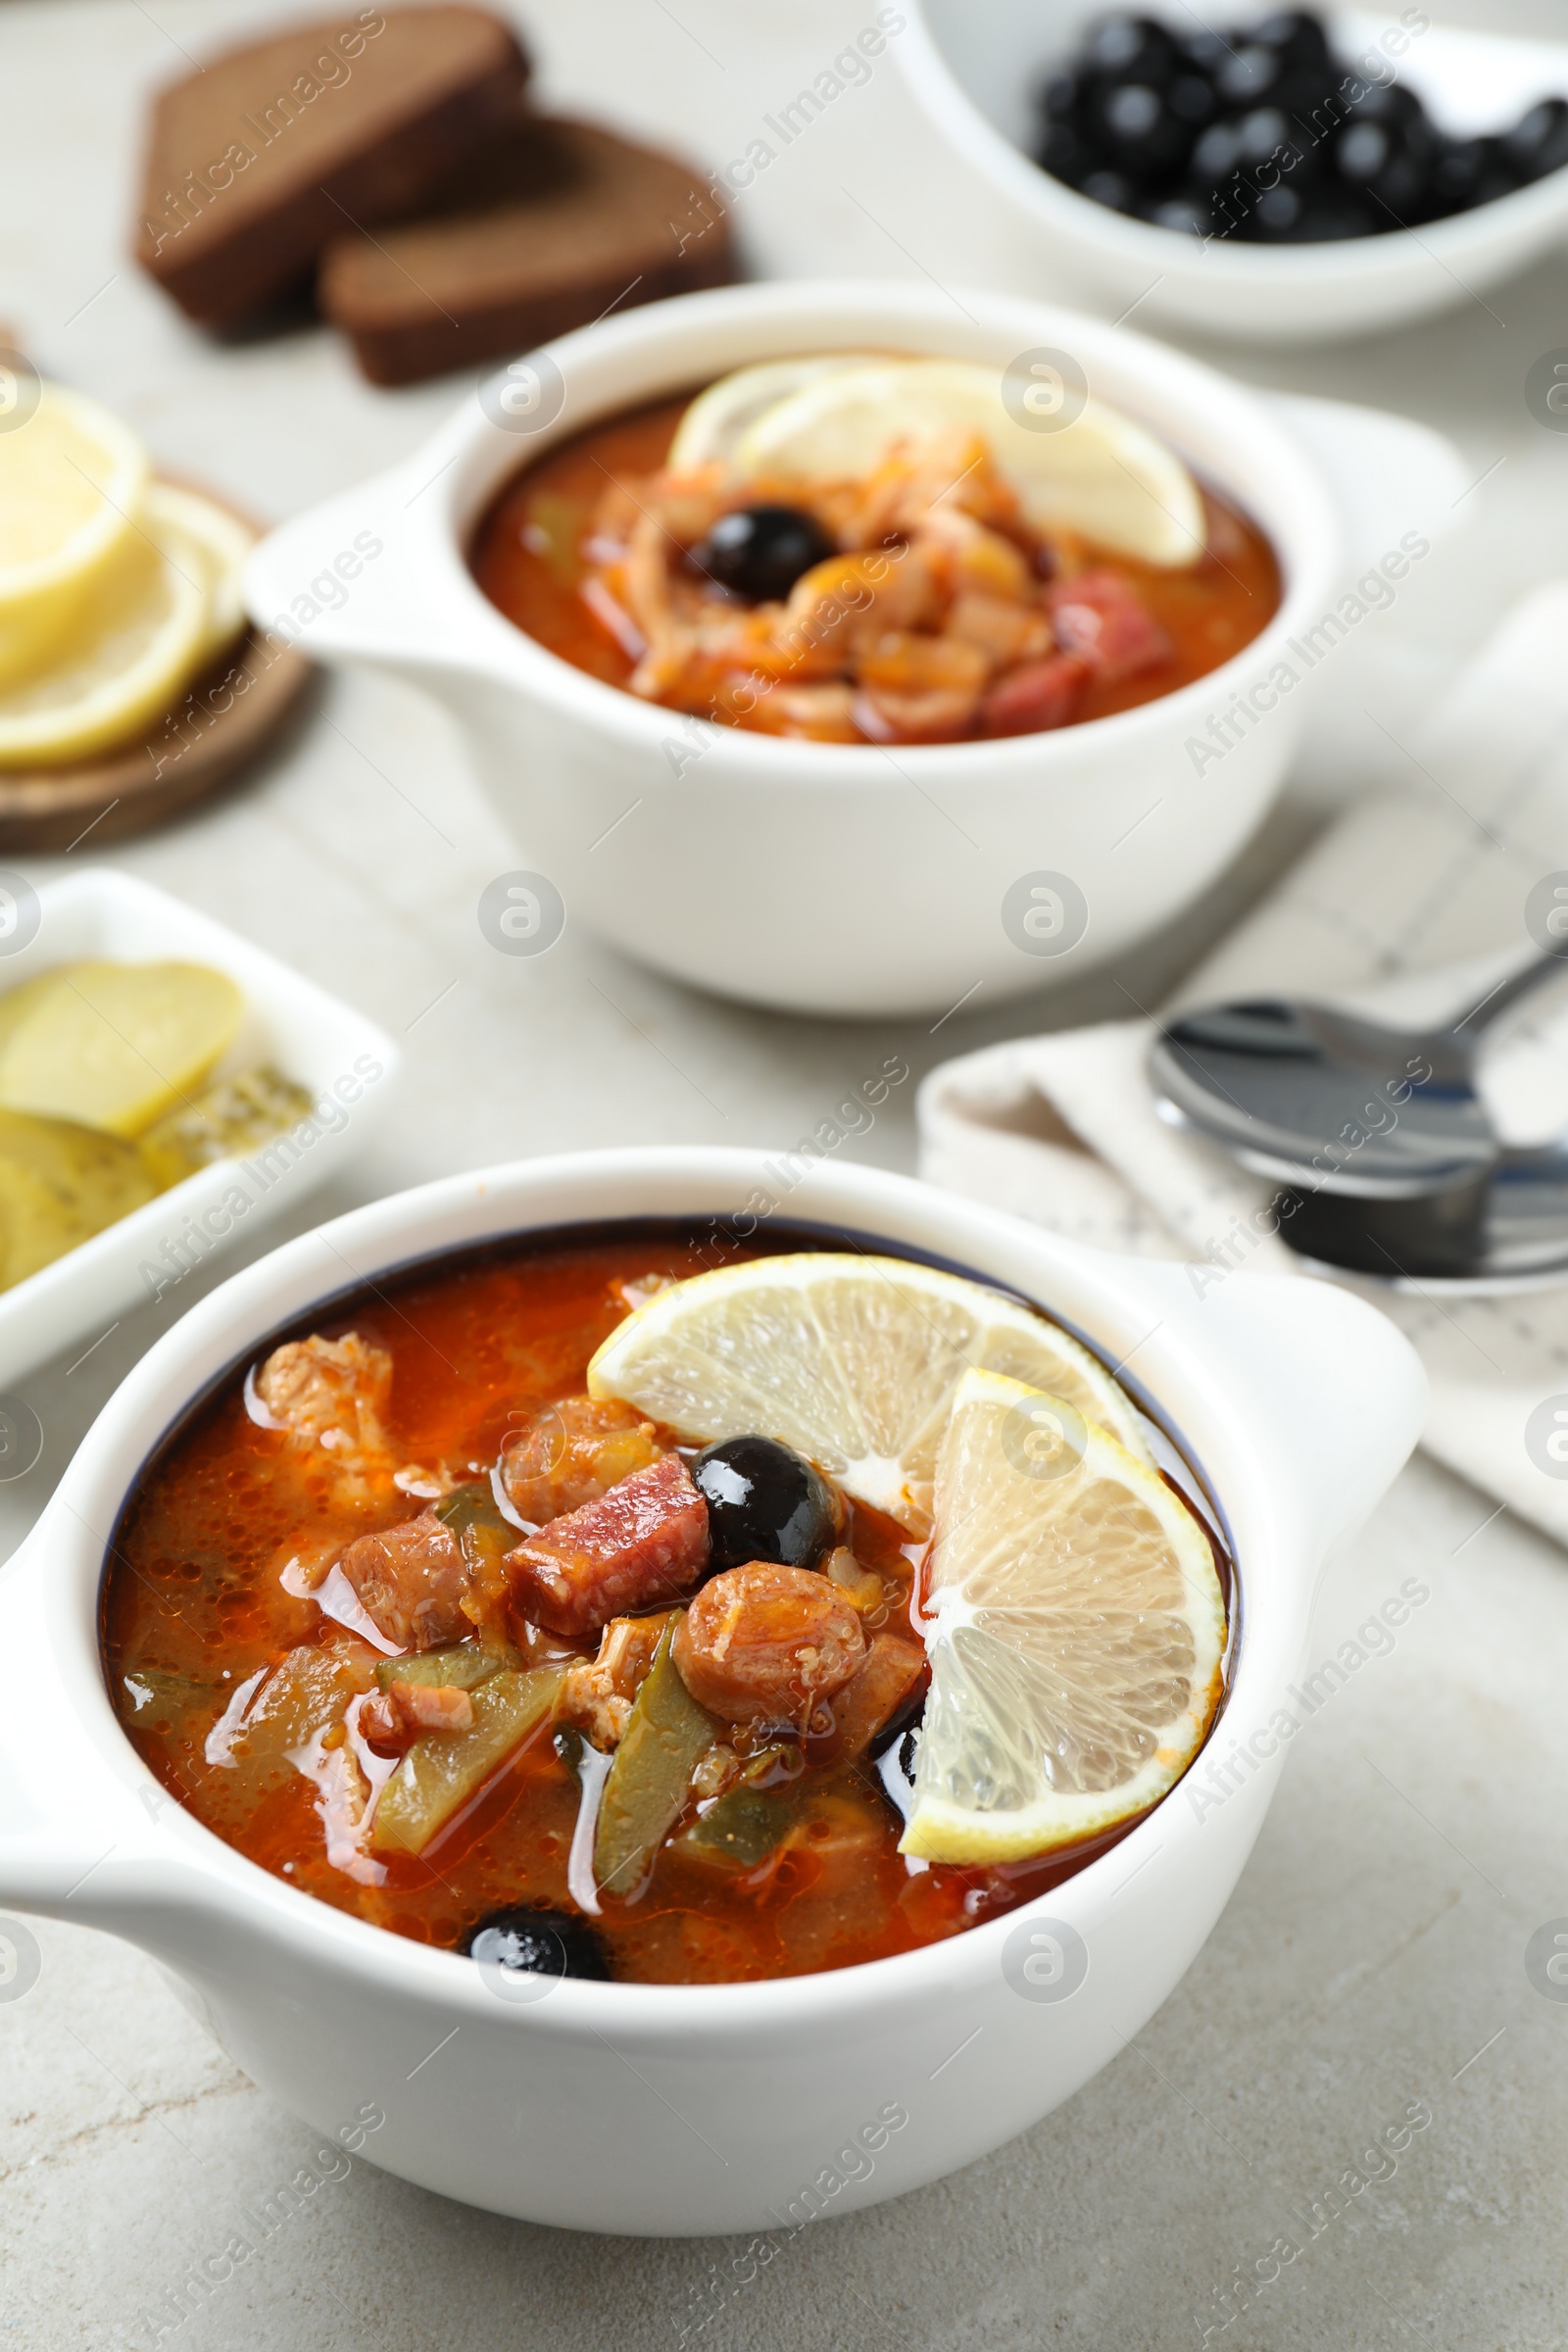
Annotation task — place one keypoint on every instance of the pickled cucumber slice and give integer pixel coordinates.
(59, 1185)
(650, 1778)
(442, 1772)
(114, 1045)
(230, 1117)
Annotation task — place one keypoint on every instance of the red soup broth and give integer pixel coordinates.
(533, 556)
(192, 1609)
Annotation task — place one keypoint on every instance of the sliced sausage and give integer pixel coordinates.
(763, 1643)
(1100, 618)
(412, 1580)
(574, 1451)
(644, 1541)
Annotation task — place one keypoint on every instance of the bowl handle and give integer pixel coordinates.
(1336, 1394)
(75, 1842)
(371, 575)
(1386, 476)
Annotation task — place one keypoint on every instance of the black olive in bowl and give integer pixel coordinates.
(761, 552)
(1258, 133)
(765, 1502)
(545, 1943)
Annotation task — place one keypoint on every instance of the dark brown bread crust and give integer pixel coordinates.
(255, 163)
(559, 223)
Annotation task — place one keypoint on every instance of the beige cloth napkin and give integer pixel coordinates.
(1412, 903)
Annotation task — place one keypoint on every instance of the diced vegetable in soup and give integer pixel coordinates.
(572, 1607)
(853, 548)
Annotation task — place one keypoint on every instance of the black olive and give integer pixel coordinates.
(1112, 190)
(1191, 215)
(1329, 215)
(1538, 142)
(1248, 75)
(1059, 98)
(765, 1502)
(1140, 133)
(1391, 160)
(1131, 49)
(545, 1943)
(1263, 133)
(1190, 100)
(761, 552)
(1215, 156)
(1205, 50)
(1299, 38)
(1066, 154)
(1278, 216)
(1195, 131)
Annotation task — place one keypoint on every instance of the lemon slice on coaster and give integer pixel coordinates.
(718, 417)
(223, 542)
(131, 646)
(1077, 1637)
(1101, 474)
(852, 1360)
(72, 478)
(114, 1045)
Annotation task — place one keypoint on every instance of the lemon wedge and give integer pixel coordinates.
(133, 642)
(852, 1360)
(114, 1045)
(223, 542)
(716, 418)
(72, 478)
(1076, 1640)
(1101, 474)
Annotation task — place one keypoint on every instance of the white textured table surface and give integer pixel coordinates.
(1374, 1954)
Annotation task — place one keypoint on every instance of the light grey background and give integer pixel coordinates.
(1376, 1944)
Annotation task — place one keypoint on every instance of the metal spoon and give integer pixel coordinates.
(1386, 1157)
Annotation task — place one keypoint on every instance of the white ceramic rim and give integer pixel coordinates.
(191, 1868)
(636, 357)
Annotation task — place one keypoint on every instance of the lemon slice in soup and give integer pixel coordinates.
(716, 418)
(114, 1045)
(1101, 474)
(1077, 1635)
(852, 1360)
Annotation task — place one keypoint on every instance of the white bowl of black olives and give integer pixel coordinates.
(1275, 177)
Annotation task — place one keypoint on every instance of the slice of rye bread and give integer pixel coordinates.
(258, 160)
(558, 225)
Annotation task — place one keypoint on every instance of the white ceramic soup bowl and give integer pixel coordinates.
(972, 74)
(826, 878)
(667, 2110)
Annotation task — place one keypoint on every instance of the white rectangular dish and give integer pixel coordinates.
(344, 1060)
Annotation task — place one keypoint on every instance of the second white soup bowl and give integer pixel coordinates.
(820, 877)
(667, 2109)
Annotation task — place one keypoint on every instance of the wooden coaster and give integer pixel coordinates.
(201, 743)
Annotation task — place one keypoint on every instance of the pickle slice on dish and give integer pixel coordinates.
(60, 1184)
(230, 1117)
(114, 1045)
